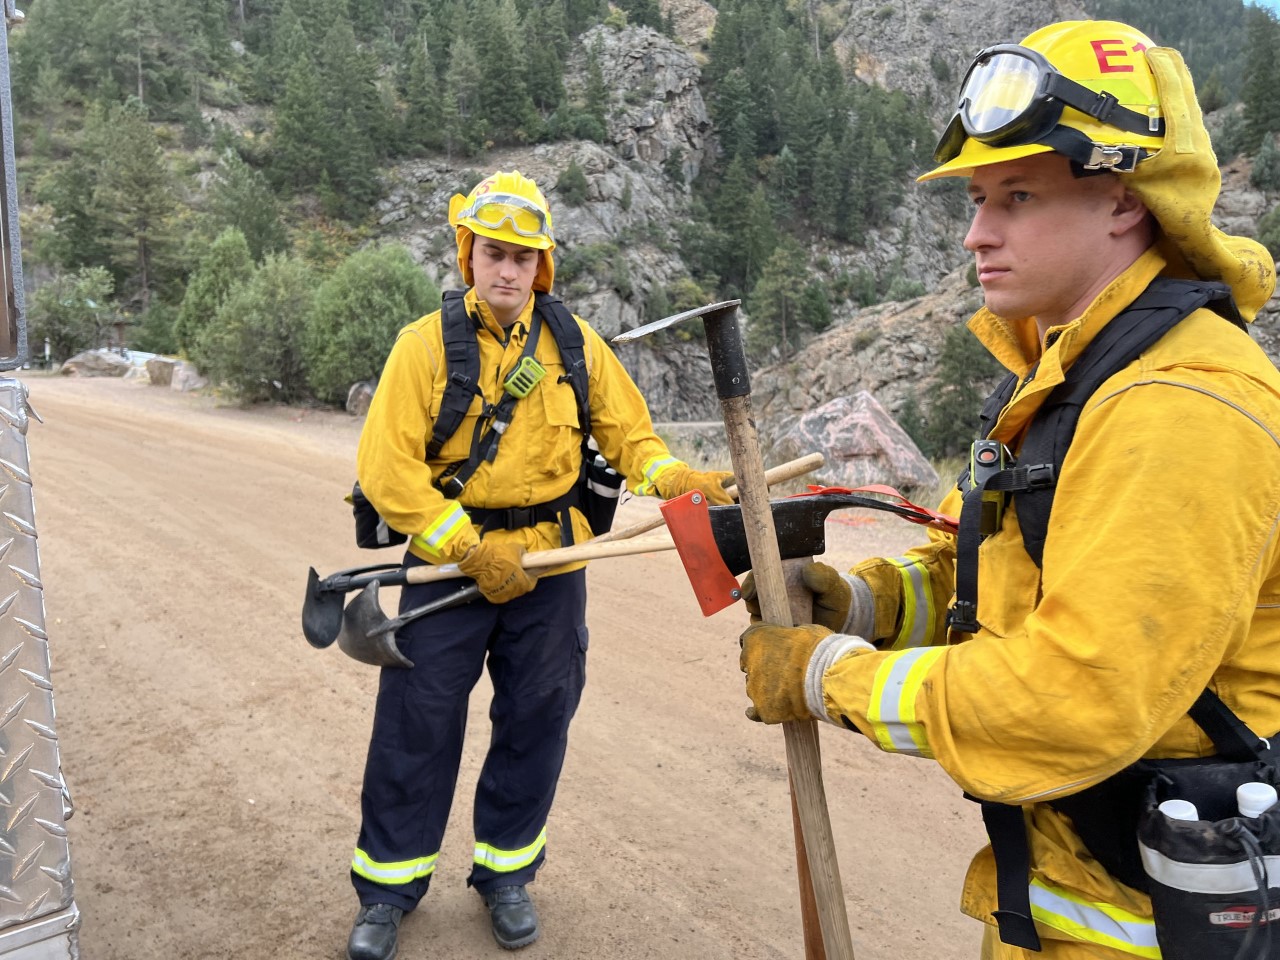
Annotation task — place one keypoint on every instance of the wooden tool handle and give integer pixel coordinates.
(803, 761)
(774, 475)
(541, 559)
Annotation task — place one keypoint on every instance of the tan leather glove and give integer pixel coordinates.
(832, 596)
(709, 482)
(775, 660)
(495, 567)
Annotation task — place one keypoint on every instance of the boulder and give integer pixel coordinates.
(186, 377)
(95, 363)
(160, 370)
(861, 442)
(359, 397)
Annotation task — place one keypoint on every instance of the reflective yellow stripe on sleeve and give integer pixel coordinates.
(508, 861)
(654, 468)
(1101, 923)
(402, 871)
(917, 604)
(452, 520)
(892, 711)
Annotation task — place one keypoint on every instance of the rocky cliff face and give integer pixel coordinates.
(626, 228)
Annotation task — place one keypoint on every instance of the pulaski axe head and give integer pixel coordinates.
(712, 541)
(724, 344)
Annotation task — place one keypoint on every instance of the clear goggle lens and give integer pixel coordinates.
(495, 209)
(998, 91)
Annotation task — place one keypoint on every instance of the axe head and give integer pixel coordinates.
(712, 541)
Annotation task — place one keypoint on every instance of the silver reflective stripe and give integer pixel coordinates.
(917, 603)
(1206, 877)
(402, 871)
(892, 711)
(1099, 923)
(603, 490)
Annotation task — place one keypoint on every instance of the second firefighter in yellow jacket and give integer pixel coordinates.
(531, 634)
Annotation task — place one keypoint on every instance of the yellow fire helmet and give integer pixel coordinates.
(1102, 94)
(505, 206)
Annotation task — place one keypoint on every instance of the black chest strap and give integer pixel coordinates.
(1033, 480)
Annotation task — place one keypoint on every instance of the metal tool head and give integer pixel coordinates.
(321, 612)
(709, 313)
(367, 634)
(322, 605)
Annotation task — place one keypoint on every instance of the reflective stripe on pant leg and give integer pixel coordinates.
(537, 664)
(414, 754)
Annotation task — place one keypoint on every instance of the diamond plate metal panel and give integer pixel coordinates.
(35, 861)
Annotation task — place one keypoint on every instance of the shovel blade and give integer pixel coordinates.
(321, 613)
(367, 634)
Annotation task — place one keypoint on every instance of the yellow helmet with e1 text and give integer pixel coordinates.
(1080, 88)
(505, 206)
(1103, 95)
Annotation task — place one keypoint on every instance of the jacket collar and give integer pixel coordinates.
(480, 313)
(1016, 343)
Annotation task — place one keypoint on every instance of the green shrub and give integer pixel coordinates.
(357, 312)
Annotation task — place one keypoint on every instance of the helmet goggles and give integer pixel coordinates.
(492, 210)
(1012, 95)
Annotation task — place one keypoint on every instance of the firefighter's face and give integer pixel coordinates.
(503, 273)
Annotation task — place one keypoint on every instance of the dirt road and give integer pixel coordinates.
(215, 758)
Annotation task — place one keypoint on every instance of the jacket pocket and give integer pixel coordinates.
(458, 446)
(557, 444)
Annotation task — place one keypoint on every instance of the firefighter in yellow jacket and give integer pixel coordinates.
(1032, 684)
(508, 479)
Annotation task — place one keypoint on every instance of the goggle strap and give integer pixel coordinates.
(1103, 107)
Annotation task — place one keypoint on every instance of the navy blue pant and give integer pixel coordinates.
(535, 647)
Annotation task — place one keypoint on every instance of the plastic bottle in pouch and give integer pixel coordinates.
(1254, 799)
(1179, 810)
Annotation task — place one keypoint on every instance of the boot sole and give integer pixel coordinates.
(517, 944)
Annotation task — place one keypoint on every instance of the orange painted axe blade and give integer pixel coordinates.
(689, 521)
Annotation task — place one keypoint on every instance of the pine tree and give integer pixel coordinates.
(225, 266)
(301, 146)
(597, 94)
(136, 196)
(1261, 107)
(776, 298)
(423, 114)
(464, 127)
(239, 196)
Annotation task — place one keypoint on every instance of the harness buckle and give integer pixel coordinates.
(1118, 158)
(963, 617)
(1040, 475)
(451, 487)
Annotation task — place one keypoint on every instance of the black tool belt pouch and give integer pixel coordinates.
(1213, 890)
(372, 532)
(601, 494)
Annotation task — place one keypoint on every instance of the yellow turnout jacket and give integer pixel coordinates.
(539, 456)
(1161, 577)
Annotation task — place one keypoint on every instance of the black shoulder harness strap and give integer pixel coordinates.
(1032, 481)
(462, 359)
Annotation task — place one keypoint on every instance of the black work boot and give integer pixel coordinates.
(515, 922)
(374, 935)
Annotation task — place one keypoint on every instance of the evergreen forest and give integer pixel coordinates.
(203, 174)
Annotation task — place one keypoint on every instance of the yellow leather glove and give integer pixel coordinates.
(709, 482)
(831, 595)
(495, 567)
(775, 660)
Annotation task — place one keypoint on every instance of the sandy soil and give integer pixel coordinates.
(215, 758)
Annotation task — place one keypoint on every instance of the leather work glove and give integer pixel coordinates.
(709, 482)
(776, 660)
(495, 567)
(832, 596)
